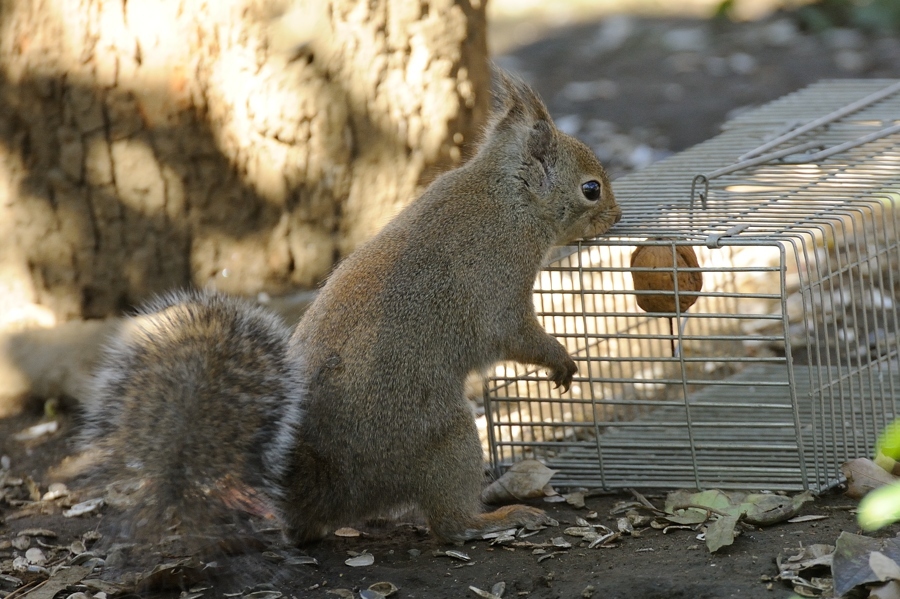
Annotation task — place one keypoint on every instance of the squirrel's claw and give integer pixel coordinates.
(562, 376)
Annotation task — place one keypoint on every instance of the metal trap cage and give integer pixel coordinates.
(786, 365)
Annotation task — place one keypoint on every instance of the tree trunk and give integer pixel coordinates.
(244, 144)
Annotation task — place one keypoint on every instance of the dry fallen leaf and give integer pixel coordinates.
(721, 532)
(851, 566)
(863, 475)
(888, 590)
(385, 589)
(458, 555)
(810, 556)
(483, 594)
(174, 575)
(524, 480)
(85, 507)
(361, 560)
(725, 509)
(765, 509)
(301, 560)
(575, 499)
(347, 532)
(807, 518)
(883, 567)
(560, 543)
(60, 580)
(37, 532)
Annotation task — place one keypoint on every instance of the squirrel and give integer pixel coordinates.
(205, 402)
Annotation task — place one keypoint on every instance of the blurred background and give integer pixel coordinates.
(248, 145)
(639, 79)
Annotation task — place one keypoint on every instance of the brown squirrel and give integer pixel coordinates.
(361, 410)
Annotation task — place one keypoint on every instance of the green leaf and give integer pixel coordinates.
(889, 440)
(720, 533)
(880, 507)
(712, 498)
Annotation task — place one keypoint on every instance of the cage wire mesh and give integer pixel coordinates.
(786, 366)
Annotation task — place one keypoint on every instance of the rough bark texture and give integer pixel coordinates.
(247, 144)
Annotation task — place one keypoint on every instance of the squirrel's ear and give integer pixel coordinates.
(515, 104)
(541, 142)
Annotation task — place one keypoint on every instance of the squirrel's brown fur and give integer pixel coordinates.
(381, 355)
(445, 289)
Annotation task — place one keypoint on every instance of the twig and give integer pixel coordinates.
(27, 588)
(697, 506)
(645, 502)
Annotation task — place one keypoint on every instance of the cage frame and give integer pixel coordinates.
(792, 233)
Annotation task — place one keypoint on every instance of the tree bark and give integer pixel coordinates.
(243, 144)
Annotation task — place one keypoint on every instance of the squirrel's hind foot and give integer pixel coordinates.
(504, 518)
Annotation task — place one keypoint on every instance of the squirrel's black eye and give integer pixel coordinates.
(591, 190)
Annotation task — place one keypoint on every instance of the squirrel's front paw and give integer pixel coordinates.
(562, 374)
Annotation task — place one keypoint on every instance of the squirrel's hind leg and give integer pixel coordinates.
(452, 498)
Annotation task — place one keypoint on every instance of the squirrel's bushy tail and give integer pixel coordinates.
(194, 414)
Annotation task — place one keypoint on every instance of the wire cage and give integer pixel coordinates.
(786, 365)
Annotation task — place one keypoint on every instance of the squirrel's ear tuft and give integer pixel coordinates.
(514, 103)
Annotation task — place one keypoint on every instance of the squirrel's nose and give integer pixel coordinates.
(618, 216)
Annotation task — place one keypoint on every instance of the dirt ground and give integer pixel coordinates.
(651, 564)
(663, 92)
